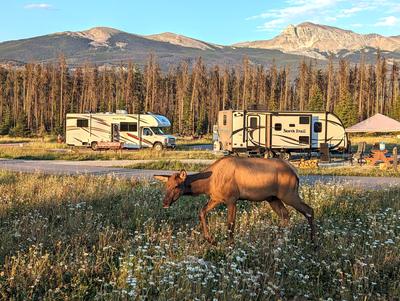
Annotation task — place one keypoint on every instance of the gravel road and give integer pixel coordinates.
(58, 167)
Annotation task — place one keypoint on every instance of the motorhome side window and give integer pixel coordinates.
(304, 120)
(278, 126)
(224, 121)
(317, 127)
(253, 122)
(128, 127)
(82, 123)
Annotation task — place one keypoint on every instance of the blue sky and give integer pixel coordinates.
(218, 21)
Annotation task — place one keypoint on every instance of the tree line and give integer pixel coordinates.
(34, 99)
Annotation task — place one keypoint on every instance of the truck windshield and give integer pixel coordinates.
(157, 131)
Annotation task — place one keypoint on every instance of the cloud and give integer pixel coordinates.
(295, 9)
(38, 6)
(387, 21)
(329, 12)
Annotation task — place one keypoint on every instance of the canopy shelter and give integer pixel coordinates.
(376, 124)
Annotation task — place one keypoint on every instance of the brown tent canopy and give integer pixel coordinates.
(377, 123)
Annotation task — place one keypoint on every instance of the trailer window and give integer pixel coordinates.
(317, 127)
(224, 120)
(304, 120)
(128, 127)
(278, 126)
(82, 123)
(304, 139)
(253, 122)
(292, 125)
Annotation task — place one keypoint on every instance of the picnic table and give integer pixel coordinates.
(378, 156)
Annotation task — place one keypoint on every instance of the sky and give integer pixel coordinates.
(217, 21)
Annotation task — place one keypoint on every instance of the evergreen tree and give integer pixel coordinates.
(316, 102)
(21, 128)
(395, 112)
(5, 124)
(346, 110)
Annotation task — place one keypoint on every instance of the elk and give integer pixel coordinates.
(231, 179)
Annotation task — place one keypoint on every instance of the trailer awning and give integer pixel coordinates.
(376, 124)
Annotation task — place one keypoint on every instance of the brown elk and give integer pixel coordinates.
(231, 179)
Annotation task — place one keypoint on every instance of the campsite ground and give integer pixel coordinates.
(108, 238)
(102, 237)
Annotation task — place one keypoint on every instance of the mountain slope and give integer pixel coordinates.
(102, 45)
(180, 40)
(315, 38)
(109, 46)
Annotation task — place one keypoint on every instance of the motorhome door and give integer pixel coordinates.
(291, 131)
(115, 137)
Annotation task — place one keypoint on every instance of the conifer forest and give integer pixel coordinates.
(35, 98)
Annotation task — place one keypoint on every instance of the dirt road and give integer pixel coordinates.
(98, 168)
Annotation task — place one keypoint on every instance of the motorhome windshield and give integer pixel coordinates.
(157, 131)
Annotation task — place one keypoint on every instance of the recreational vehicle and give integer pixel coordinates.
(131, 130)
(268, 133)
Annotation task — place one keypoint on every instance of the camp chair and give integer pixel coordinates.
(360, 154)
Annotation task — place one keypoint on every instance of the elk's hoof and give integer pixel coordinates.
(211, 241)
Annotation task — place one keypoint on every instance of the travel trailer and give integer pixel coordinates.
(131, 130)
(268, 133)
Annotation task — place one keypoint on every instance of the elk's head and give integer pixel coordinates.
(175, 185)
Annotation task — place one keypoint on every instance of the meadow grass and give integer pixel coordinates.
(104, 238)
(356, 170)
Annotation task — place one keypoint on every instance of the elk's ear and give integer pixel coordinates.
(183, 174)
(162, 178)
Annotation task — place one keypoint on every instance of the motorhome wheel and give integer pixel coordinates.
(158, 146)
(93, 145)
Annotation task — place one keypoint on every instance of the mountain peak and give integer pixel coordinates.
(180, 40)
(307, 38)
(98, 35)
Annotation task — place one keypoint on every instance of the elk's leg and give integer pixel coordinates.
(203, 218)
(297, 203)
(231, 220)
(279, 208)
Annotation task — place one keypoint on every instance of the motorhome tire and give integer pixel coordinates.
(158, 146)
(93, 145)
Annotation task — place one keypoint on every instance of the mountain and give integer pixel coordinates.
(320, 41)
(180, 40)
(109, 46)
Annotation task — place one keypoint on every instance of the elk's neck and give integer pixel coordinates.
(197, 184)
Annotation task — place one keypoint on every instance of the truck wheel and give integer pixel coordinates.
(158, 146)
(285, 156)
(93, 145)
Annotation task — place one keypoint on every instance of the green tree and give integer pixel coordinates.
(21, 128)
(316, 101)
(346, 110)
(5, 124)
(395, 112)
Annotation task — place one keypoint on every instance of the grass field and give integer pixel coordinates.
(365, 170)
(47, 149)
(103, 238)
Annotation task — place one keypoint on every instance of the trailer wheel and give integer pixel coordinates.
(269, 154)
(285, 156)
(93, 145)
(158, 146)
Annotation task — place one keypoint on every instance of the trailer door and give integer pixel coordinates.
(292, 132)
(255, 130)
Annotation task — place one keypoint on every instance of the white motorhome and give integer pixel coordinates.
(267, 132)
(132, 130)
